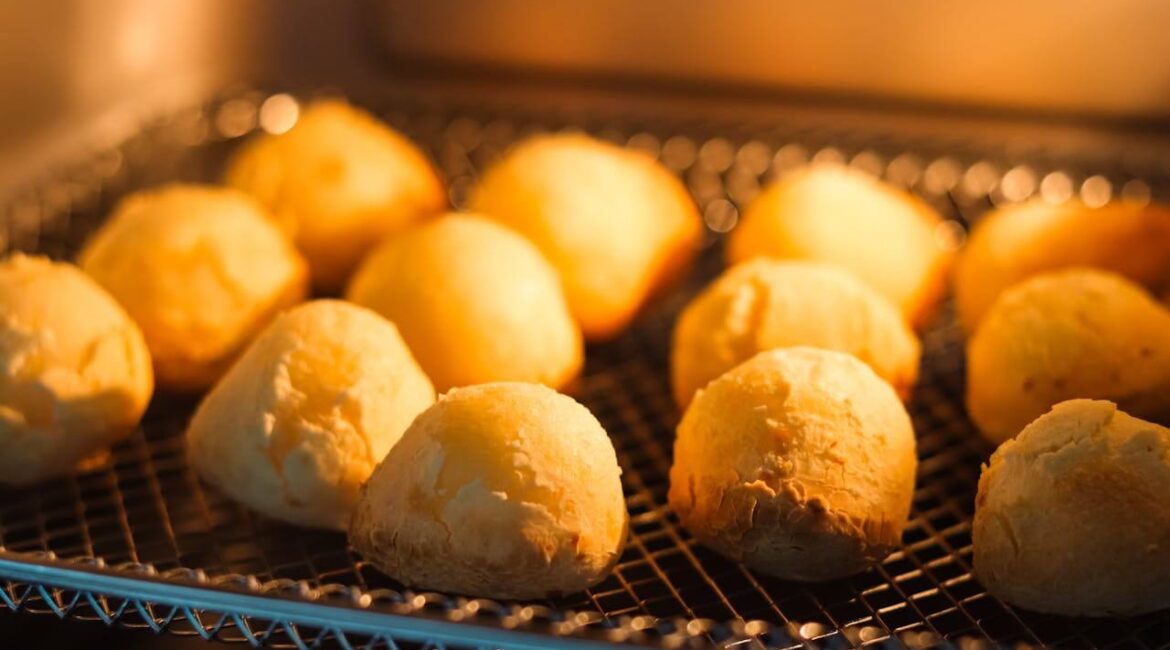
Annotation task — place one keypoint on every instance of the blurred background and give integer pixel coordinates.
(77, 70)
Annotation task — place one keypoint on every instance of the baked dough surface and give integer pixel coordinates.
(475, 301)
(75, 373)
(800, 463)
(1071, 333)
(1073, 515)
(764, 304)
(201, 269)
(888, 238)
(504, 490)
(297, 425)
(1016, 242)
(339, 182)
(615, 224)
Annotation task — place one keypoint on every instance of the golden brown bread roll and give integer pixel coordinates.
(614, 223)
(799, 463)
(503, 490)
(74, 370)
(299, 422)
(339, 181)
(827, 213)
(1015, 242)
(1073, 516)
(476, 303)
(764, 304)
(201, 269)
(1065, 334)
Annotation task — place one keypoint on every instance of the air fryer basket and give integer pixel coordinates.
(141, 542)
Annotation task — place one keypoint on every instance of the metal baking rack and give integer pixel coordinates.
(141, 542)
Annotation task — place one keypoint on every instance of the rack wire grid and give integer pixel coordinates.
(141, 542)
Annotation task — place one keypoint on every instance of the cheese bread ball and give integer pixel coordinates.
(1065, 334)
(339, 181)
(300, 421)
(887, 237)
(1015, 242)
(799, 463)
(201, 269)
(614, 223)
(504, 490)
(74, 370)
(476, 303)
(764, 304)
(1073, 516)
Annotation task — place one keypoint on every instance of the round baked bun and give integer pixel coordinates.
(887, 237)
(75, 373)
(1066, 334)
(476, 303)
(297, 425)
(1073, 516)
(339, 181)
(799, 463)
(504, 490)
(1015, 242)
(764, 304)
(614, 223)
(201, 270)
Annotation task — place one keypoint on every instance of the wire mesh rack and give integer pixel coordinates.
(141, 542)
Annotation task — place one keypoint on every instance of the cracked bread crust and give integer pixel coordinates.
(1072, 333)
(800, 463)
(504, 490)
(75, 373)
(1073, 515)
(201, 270)
(764, 304)
(299, 423)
